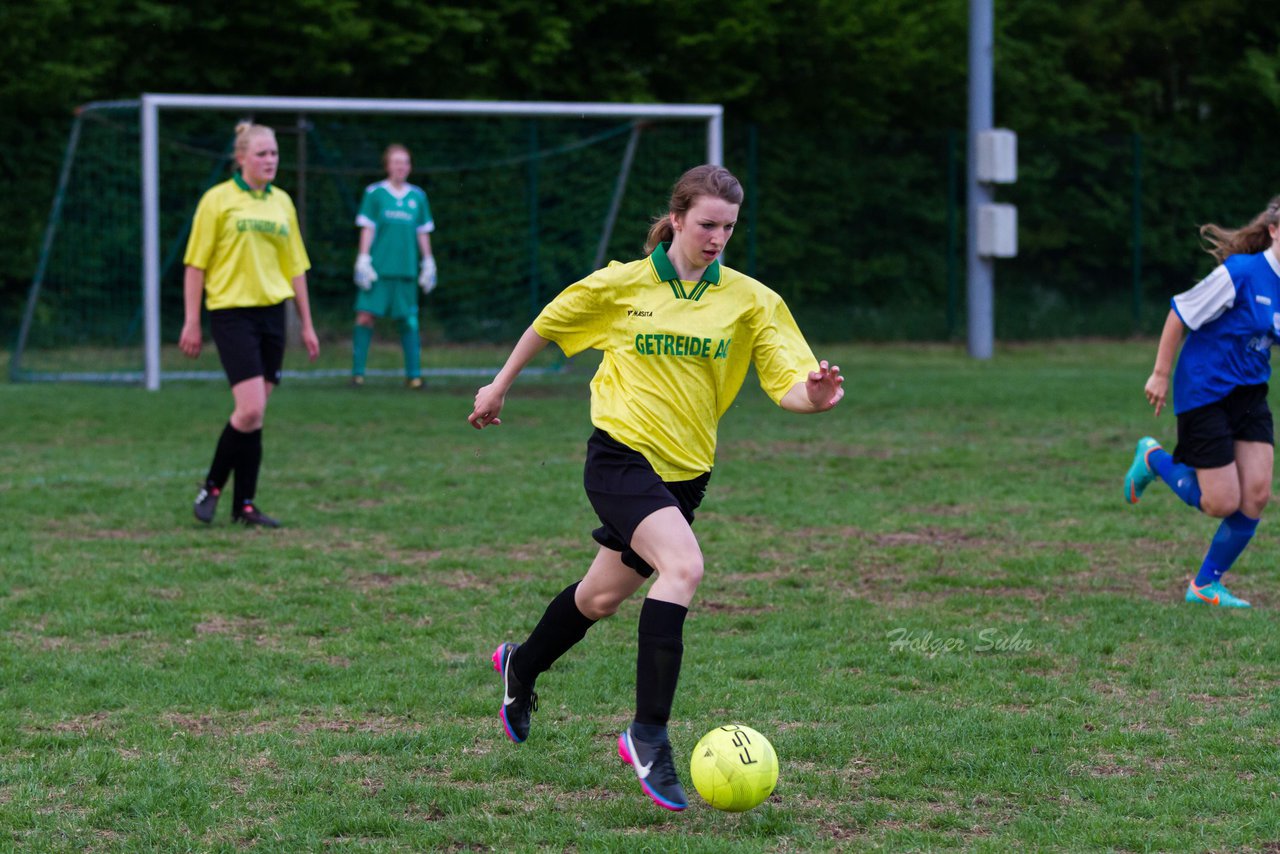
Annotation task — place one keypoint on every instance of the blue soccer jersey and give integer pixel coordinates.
(1234, 318)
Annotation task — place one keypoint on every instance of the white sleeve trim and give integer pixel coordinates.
(364, 222)
(427, 227)
(1207, 301)
(1272, 259)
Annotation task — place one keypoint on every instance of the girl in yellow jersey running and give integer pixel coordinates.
(245, 258)
(678, 331)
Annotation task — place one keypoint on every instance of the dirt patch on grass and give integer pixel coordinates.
(937, 552)
(79, 725)
(716, 606)
(221, 726)
(73, 529)
(882, 565)
(755, 451)
(376, 581)
(239, 628)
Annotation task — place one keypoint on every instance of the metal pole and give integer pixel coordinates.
(46, 249)
(753, 181)
(981, 271)
(619, 190)
(1137, 232)
(715, 138)
(293, 327)
(151, 243)
(300, 189)
(953, 237)
(535, 302)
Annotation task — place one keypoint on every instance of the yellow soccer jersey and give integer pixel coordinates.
(248, 244)
(675, 353)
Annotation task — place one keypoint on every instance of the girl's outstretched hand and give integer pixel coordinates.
(825, 386)
(487, 407)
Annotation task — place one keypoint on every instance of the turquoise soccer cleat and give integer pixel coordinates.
(1214, 593)
(1140, 474)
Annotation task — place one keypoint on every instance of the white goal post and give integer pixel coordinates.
(153, 103)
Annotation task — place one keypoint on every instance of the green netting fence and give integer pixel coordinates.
(861, 230)
(523, 207)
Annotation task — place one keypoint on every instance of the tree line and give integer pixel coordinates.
(850, 109)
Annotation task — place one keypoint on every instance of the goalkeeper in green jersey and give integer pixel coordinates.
(394, 261)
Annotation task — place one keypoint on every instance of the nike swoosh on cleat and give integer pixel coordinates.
(642, 771)
(1196, 590)
(507, 699)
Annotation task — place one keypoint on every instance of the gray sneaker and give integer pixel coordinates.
(207, 503)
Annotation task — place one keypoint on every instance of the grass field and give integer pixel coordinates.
(932, 600)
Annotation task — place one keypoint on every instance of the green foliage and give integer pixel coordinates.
(1198, 79)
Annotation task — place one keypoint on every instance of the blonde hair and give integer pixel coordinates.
(1245, 240)
(245, 131)
(705, 180)
(391, 149)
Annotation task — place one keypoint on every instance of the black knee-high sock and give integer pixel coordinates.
(658, 661)
(224, 458)
(562, 625)
(248, 462)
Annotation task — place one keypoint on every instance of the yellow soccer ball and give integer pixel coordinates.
(734, 768)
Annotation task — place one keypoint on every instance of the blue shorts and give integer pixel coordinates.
(624, 489)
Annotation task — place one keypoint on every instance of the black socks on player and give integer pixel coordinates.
(248, 464)
(658, 658)
(240, 453)
(562, 625)
(657, 666)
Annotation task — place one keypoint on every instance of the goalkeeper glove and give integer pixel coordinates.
(365, 274)
(427, 279)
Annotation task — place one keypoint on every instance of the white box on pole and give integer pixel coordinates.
(997, 156)
(998, 230)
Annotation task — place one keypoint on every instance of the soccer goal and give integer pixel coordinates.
(526, 196)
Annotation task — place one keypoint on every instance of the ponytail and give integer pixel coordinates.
(662, 231)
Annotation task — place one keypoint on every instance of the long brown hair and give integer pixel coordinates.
(1247, 239)
(705, 180)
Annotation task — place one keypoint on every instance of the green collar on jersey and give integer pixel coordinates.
(667, 272)
(244, 185)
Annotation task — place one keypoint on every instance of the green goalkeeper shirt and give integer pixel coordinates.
(396, 217)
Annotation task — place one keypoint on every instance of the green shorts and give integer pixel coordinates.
(390, 297)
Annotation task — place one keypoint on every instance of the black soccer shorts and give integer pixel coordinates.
(250, 342)
(1207, 434)
(624, 489)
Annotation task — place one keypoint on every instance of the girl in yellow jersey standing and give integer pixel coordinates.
(245, 258)
(678, 331)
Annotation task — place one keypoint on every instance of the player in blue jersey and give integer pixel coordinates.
(394, 260)
(1223, 461)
